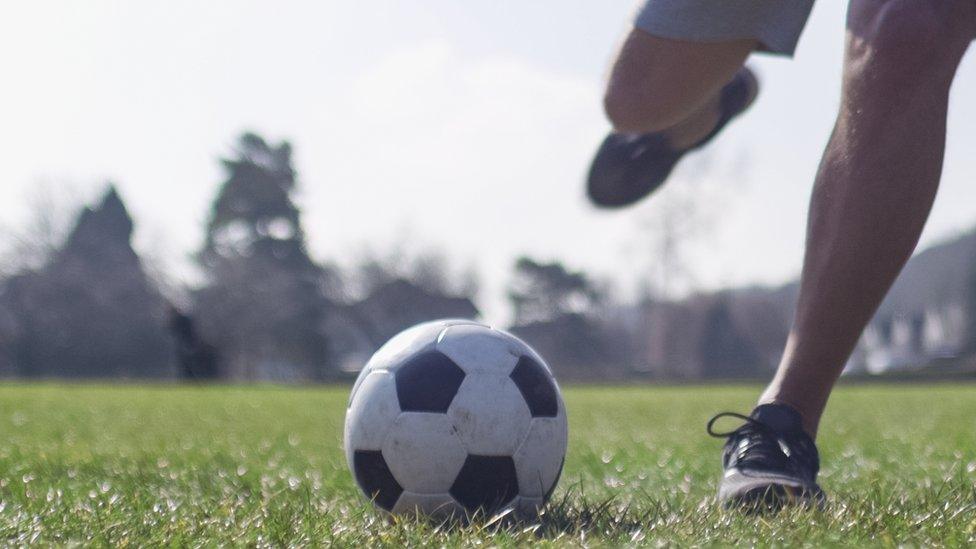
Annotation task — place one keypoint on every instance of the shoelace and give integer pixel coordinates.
(763, 444)
(718, 434)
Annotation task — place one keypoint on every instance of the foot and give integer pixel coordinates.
(770, 461)
(629, 167)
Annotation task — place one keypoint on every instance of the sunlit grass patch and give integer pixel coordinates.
(121, 465)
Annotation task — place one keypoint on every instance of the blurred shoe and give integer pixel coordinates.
(628, 167)
(770, 461)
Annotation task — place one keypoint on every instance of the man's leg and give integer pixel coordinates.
(665, 98)
(873, 192)
(661, 84)
(677, 82)
(875, 186)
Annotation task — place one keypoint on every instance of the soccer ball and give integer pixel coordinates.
(453, 418)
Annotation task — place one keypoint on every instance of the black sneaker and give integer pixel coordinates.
(769, 461)
(628, 167)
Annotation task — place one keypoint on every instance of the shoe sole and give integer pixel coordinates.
(767, 493)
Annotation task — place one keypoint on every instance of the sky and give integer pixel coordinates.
(422, 124)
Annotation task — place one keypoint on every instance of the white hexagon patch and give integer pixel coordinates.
(479, 349)
(374, 409)
(490, 415)
(429, 505)
(423, 452)
(539, 460)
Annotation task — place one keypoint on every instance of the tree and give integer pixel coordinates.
(540, 292)
(253, 214)
(265, 301)
(428, 269)
(51, 210)
(90, 311)
(970, 306)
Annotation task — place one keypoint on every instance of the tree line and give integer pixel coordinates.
(77, 301)
(87, 306)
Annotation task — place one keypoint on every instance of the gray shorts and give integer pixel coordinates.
(777, 24)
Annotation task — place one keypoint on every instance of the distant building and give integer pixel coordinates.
(711, 336)
(898, 342)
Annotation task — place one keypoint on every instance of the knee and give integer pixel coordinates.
(912, 39)
(639, 109)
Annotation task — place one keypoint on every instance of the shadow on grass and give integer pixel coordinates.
(571, 515)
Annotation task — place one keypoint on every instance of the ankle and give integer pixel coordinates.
(694, 128)
(809, 421)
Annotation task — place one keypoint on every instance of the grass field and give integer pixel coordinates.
(263, 466)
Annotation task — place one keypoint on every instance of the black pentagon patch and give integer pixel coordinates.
(486, 483)
(375, 478)
(536, 386)
(428, 382)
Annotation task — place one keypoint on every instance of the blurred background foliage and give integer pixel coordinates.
(77, 301)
